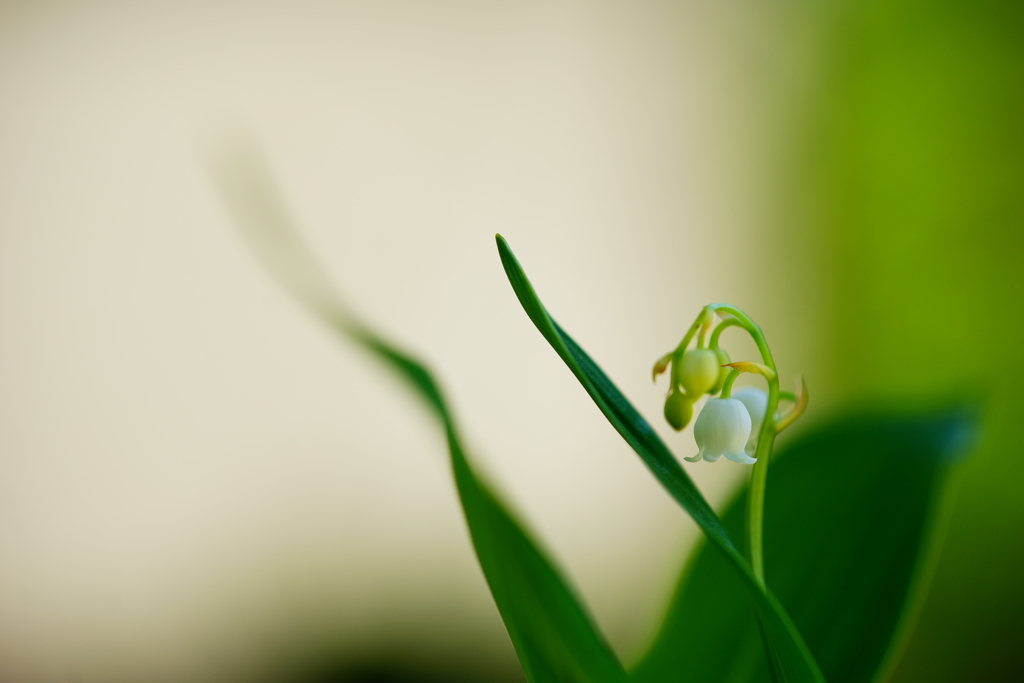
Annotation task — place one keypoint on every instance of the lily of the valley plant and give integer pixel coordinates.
(847, 544)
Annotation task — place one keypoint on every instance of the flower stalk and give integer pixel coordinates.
(765, 441)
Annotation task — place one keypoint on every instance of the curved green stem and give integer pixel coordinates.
(758, 480)
(722, 326)
(727, 385)
(697, 324)
(799, 406)
(752, 329)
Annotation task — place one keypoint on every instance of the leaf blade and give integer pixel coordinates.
(553, 635)
(846, 573)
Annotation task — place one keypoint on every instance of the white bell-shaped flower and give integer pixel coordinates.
(756, 401)
(722, 428)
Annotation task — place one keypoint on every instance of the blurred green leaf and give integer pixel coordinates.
(849, 518)
(555, 639)
(910, 164)
(553, 635)
(795, 659)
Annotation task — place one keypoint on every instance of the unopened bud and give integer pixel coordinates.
(678, 409)
(698, 371)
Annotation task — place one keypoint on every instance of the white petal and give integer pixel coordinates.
(741, 458)
(756, 402)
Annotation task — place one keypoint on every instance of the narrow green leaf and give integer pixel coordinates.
(554, 637)
(849, 520)
(794, 657)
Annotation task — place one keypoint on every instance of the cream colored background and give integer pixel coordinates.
(197, 482)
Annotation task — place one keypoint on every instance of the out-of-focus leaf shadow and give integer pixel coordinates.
(248, 189)
(553, 634)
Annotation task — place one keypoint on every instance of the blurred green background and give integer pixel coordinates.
(914, 168)
(194, 484)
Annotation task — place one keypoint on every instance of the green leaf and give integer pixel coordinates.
(794, 658)
(850, 514)
(553, 635)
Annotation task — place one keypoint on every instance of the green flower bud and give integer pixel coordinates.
(678, 409)
(723, 359)
(698, 371)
